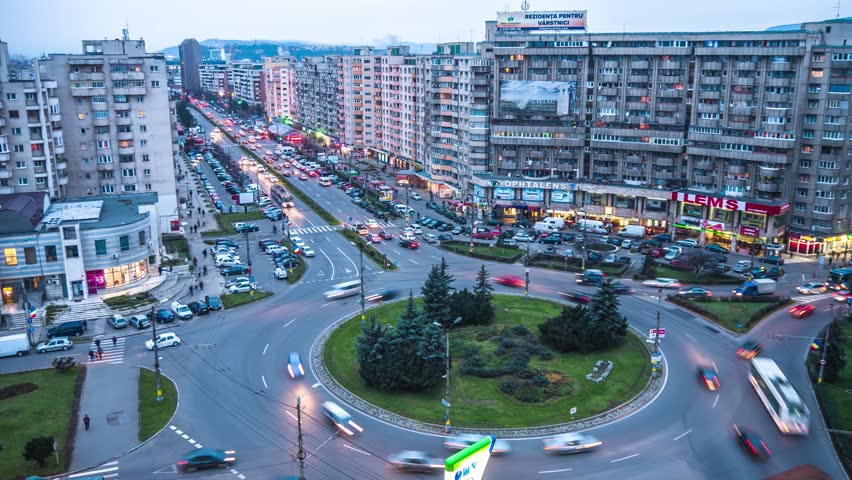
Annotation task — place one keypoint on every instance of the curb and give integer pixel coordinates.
(648, 394)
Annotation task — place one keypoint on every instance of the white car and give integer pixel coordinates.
(417, 229)
(522, 237)
(663, 283)
(164, 340)
(430, 238)
(242, 287)
(58, 343)
(308, 251)
(812, 288)
(688, 242)
(227, 261)
(571, 443)
(610, 258)
(742, 266)
(672, 255)
(415, 196)
(274, 249)
(406, 235)
(181, 311)
(372, 223)
(297, 241)
(509, 242)
(280, 273)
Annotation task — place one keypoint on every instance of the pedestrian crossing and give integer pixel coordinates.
(329, 228)
(112, 353)
(106, 470)
(811, 298)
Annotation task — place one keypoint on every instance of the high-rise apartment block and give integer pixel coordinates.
(246, 80)
(118, 121)
(191, 55)
(359, 83)
(32, 144)
(317, 102)
(215, 77)
(278, 86)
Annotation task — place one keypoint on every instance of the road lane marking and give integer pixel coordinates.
(329, 261)
(716, 401)
(350, 260)
(288, 323)
(714, 365)
(683, 434)
(396, 252)
(555, 471)
(292, 416)
(316, 385)
(412, 261)
(91, 472)
(690, 336)
(264, 382)
(326, 304)
(265, 349)
(436, 258)
(624, 458)
(359, 451)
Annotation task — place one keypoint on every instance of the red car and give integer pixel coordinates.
(386, 235)
(803, 310)
(681, 264)
(483, 235)
(312, 174)
(577, 297)
(510, 281)
(657, 252)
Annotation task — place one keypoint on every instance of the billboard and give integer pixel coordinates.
(503, 193)
(551, 20)
(528, 98)
(532, 195)
(561, 196)
(470, 463)
(246, 198)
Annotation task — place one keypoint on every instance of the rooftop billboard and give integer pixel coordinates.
(554, 20)
(525, 98)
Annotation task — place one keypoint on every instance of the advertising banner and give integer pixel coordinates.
(712, 225)
(385, 195)
(731, 204)
(532, 195)
(527, 98)
(561, 196)
(503, 193)
(478, 191)
(470, 463)
(552, 20)
(749, 231)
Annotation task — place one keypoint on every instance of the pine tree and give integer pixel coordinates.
(432, 352)
(437, 306)
(372, 350)
(38, 449)
(566, 331)
(606, 326)
(482, 293)
(465, 305)
(407, 366)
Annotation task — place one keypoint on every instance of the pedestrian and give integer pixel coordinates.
(98, 342)
(814, 275)
(201, 283)
(114, 340)
(190, 289)
(204, 252)
(86, 421)
(160, 269)
(85, 325)
(194, 261)
(205, 270)
(91, 355)
(100, 353)
(830, 260)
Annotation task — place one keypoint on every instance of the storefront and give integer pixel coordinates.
(116, 276)
(804, 244)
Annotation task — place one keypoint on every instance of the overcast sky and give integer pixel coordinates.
(32, 27)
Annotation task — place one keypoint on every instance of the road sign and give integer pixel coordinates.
(445, 403)
(739, 325)
(656, 357)
(573, 410)
(662, 333)
(31, 329)
(652, 333)
(822, 362)
(350, 219)
(29, 320)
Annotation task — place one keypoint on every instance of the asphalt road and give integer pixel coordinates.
(236, 394)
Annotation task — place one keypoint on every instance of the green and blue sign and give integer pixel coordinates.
(469, 464)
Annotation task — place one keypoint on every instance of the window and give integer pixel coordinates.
(129, 188)
(100, 247)
(16, 131)
(18, 148)
(827, 179)
(839, 88)
(155, 68)
(23, 181)
(813, 103)
(832, 135)
(828, 164)
(801, 192)
(104, 158)
(142, 238)
(148, 186)
(99, 99)
(140, 114)
(814, 88)
(71, 251)
(155, 84)
(143, 143)
(50, 253)
(810, 118)
(11, 96)
(30, 255)
(147, 172)
(128, 172)
(11, 255)
(81, 116)
(107, 188)
(816, 73)
(124, 242)
(822, 209)
(800, 207)
(102, 144)
(143, 128)
(20, 164)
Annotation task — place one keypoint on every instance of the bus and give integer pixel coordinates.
(840, 278)
(779, 397)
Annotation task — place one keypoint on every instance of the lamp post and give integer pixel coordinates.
(527, 271)
(360, 248)
(300, 455)
(446, 401)
(657, 336)
(156, 354)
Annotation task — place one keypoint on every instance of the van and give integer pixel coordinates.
(557, 222)
(340, 418)
(545, 227)
(66, 329)
(343, 290)
(325, 181)
(590, 225)
(288, 150)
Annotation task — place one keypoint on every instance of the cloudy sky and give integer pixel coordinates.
(32, 27)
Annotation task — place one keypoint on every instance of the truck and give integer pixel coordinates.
(17, 344)
(632, 231)
(758, 286)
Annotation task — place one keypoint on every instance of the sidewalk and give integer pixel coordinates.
(110, 398)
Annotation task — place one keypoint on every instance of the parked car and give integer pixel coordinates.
(444, 237)
(139, 321)
(198, 308)
(716, 248)
(56, 343)
(235, 270)
(772, 259)
(688, 242)
(213, 302)
(742, 266)
(117, 321)
(73, 328)
(181, 311)
(280, 273)
(430, 238)
(162, 316)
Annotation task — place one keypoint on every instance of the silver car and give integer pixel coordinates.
(57, 343)
(411, 461)
(571, 443)
(811, 288)
(460, 442)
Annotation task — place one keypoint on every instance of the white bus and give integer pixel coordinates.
(780, 398)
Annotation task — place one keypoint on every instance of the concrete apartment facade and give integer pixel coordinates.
(278, 78)
(118, 118)
(358, 89)
(246, 80)
(215, 77)
(191, 55)
(32, 145)
(317, 93)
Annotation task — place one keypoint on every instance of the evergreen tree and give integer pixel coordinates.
(436, 291)
(38, 449)
(835, 356)
(465, 305)
(606, 326)
(566, 332)
(432, 352)
(372, 350)
(407, 366)
(483, 296)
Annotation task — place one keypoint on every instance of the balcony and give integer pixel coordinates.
(743, 82)
(670, 65)
(639, 64)
(734, 182)
(768, 187)
(100, 122)
(770, 172)
(123, 106)
(745, 66)
(63, 179)
(664, 162)
(5, 173)
(704, 165)
(126, 150)
(127, 76)
(123, 121)
(103, 167)
(735, 169)
(711, 65)
(711, 80)
(602, 170)
(705, 179)
(125, 135)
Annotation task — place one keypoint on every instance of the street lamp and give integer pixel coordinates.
(657, 336)
(527, 271)
(360, 248)
(446, 400)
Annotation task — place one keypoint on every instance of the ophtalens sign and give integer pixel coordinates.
(533, 184)
(730, 203)
(469, 464)
(551, 20)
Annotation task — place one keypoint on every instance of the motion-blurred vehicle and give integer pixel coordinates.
(812, 288)
(752, 442)
(459, 442)
(695, 292)
(340, 418)
(802, 310)
(571, 443)
(577, 297)
(383, 296)
(709, 378)
(206, 458)
(842, 296)
(294, 366)
(662, 283)
(510, 281)
(411, 461)
(749, 350)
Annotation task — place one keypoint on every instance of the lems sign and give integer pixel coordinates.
(730, 203)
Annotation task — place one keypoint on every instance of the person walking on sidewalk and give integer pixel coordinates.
(204, 252)
(86, 421)
(205, 270)
(201, 285)
(85, 325)
(194, 261)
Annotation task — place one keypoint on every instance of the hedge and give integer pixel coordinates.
(463, 248)
(574, 264)
(690, 304)
(370, 252)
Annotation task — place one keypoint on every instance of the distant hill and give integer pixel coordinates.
(255, 50)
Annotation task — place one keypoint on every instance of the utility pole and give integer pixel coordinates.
(363, 301)
(156, 354)
(248, 252)
(657, 336)
(300, 455)
(527, 271)
(446, 400)
(824, 351)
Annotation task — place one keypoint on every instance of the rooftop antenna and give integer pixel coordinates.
(125, 32)
(525, 6)
(837, 6)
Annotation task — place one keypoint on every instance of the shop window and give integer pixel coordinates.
(597, 199)
(69, 233)
(722, 215)
(753, 219)
(30, 255)
(142, 238)
(623, 201)
(124, 242)
(71, 251)
(100, 247)
(656, 205)
(11, 255)
(50, 253)
(692, 210)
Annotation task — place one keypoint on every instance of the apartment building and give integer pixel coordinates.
(278, 78)
(247, 82)
(32, 145)
(400, 98)
(118, 118)
(317, 93)
(191, 55)
(215, 77)
(359, 84)
(709, 135)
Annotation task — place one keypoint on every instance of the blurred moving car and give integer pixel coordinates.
(577, 297)
(412, 461)
(571, 443)
(383, 296)
(294, 366)
(802, 310)
(749, 350)
(842, 295)
(708, 377)
(695, 292)
(459, 442)
(206, 458)
(510, 281)
(662, 283)
(752, 442)
(812, 288)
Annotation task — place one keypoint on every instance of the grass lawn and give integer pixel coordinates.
(690, 277)
(730, 314)
(153, 415)
(837, 402)
(500, 254)
(48, 411)
(176, 245)
(231, 300)
(478, 402)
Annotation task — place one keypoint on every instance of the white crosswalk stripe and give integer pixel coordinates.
(387, 224)
(112, 353)
(810, 298)
(107, 470)
(306, 230)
